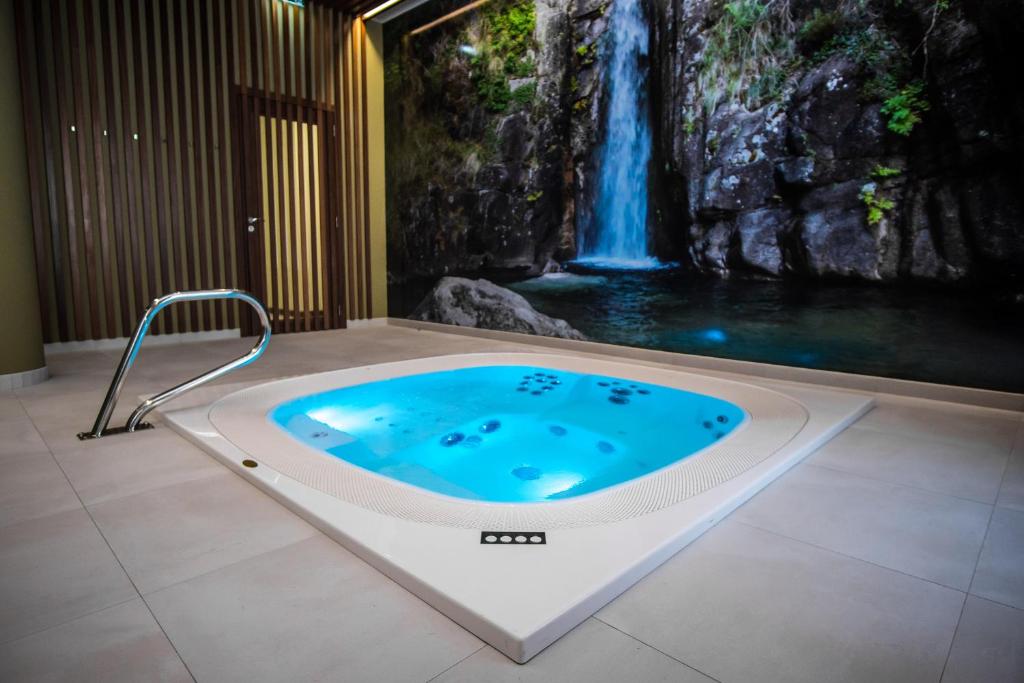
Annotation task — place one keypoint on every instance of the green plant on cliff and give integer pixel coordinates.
(586, 53)
(876, 205)
(690, 124)
(817, 30)
(503, 51)
(524, 95)
(904, 108)
(883, 172)
(748, 53)
(510, 29)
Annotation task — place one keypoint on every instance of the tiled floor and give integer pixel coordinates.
(895, 553)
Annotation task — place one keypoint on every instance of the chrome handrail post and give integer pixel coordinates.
(134, 344)
(131, 351)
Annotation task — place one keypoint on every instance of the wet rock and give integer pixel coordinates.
(759, 235)
(710, 248)
(740, 173)
(837, 239)
(796, 171)
(481, 303)
(551, 266)
(514, 139)
(738, 188)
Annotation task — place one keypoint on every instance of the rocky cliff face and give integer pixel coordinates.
(477, 142)
(866, 139)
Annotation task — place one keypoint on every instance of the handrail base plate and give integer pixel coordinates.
(86, 436)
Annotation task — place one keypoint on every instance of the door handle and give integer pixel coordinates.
(251, 223)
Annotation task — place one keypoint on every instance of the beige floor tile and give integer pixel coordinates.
(1000, 574)
(965, 425)
(10, 407)
(742, 604)
(121, 643)
(180, 531)
(33, 486)
(989, 644)
(18, 436)
(929, 535)
(593, 652)
(308, 611)
(55, 569)
(972, 472)
(127, 464)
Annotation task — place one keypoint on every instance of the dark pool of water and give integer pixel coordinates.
(946, 336)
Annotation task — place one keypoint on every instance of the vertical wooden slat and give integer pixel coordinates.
(208, 79)
(180, 219)
(337, 181)
(79, 291)
(314, 320)
(193, 158)
(165, 253)
(280, 112)
(364, 172)
(293, 125)
(242, 55)
(92, 259)
(150, 221)
(345, 92)
(287, 232)
(271, 75)
(116, 134)
(100, 132)
(325, 126)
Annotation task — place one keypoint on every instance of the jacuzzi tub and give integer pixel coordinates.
(517, 514)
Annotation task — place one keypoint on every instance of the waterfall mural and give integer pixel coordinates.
(619, 235)
(817, 184)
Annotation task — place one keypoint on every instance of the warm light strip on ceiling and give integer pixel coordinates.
(448, 17)
(379, 8)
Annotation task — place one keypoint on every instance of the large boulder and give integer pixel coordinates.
(839, 241)
(481, 303)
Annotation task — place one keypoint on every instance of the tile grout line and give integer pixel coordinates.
(442, 673)
(868, 477)
(1018, 440)
(114, 554)
(849, 557)
(977, 561)
(317, 534)
(646, 644)
(90, 613)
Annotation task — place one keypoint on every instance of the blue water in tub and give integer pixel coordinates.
(509, 434)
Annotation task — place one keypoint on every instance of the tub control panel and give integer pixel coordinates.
(513, 538)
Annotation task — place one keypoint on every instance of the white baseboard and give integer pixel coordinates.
(118, 343)
(366, 322)
(19, 380)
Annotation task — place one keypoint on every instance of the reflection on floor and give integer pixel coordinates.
(896, 553)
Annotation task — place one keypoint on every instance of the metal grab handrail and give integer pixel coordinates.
(132, 350)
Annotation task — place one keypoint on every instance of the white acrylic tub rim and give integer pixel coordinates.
(772, 421)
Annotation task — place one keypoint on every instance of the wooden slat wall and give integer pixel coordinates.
(132, 124)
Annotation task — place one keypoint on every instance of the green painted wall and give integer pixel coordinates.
(21, 340)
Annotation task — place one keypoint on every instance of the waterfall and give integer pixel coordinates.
(619, 237)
